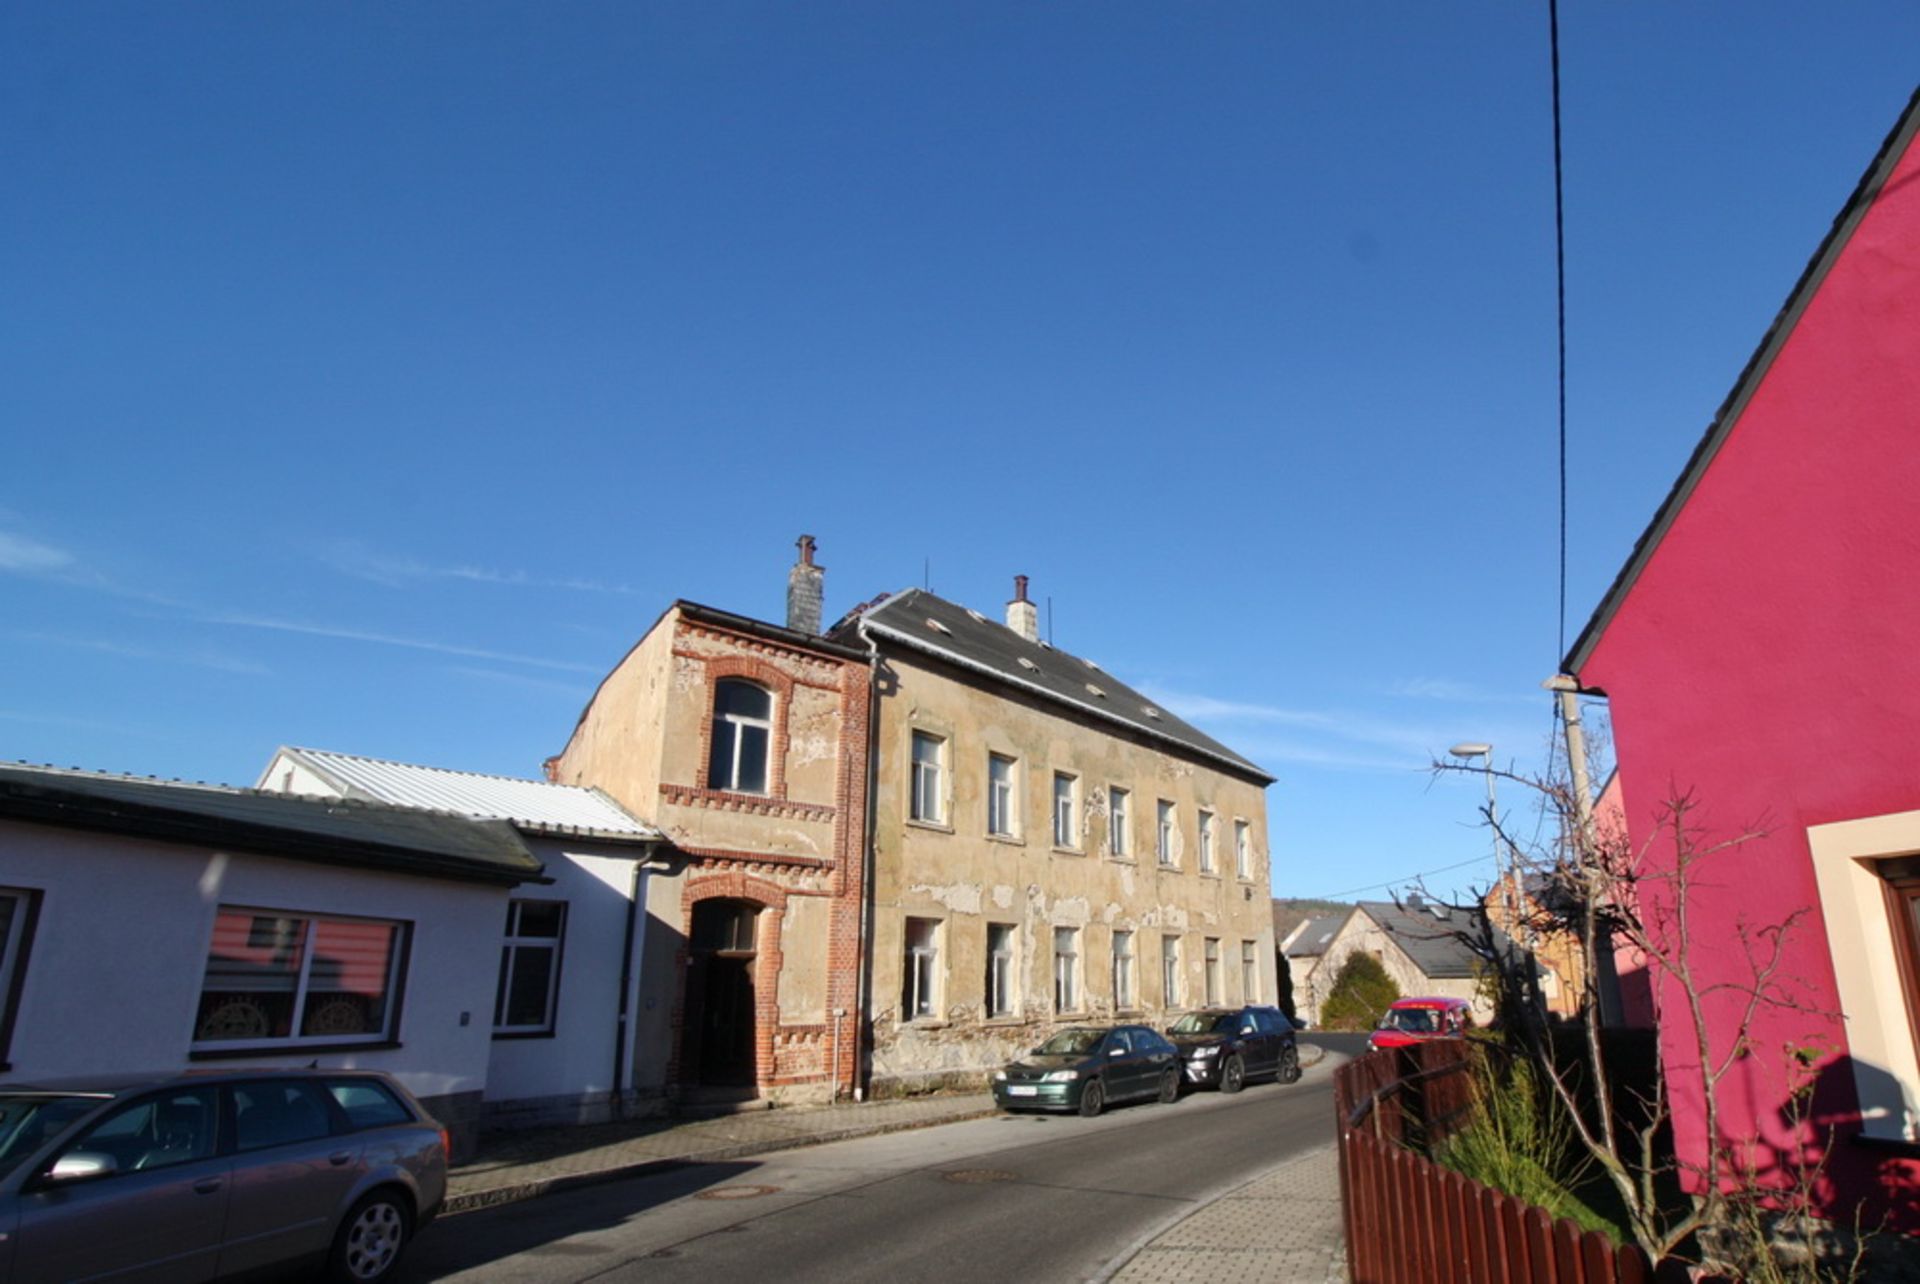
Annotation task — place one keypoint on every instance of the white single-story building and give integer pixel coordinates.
(566, 1009)
(148, 925)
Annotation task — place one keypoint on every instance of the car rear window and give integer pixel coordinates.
(368, 1103)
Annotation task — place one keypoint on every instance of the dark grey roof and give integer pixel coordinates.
(1317, 935)
(1811, 278)
(973, 641)
(1430, 939)
(327, 830)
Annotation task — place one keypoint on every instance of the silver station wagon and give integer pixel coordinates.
(204, 1176)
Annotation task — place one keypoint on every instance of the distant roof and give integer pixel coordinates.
(1316, 934)
(1811, 278)
(330, 831)
(1428, 934)
(535, 805)
(932, 625)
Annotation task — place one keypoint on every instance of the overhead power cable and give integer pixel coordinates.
(1394, 882)
(1560, 293)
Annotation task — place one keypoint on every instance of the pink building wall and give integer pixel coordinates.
(1766, 661)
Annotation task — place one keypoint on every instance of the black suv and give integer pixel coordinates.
(1224, 1047)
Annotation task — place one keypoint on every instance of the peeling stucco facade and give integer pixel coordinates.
(951, 872)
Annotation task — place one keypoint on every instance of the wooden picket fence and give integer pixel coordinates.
(1410, 1221)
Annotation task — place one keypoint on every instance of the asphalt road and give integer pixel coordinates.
(1027, 1197)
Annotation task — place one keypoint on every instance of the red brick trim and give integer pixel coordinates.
(761, 672)
(753, 804)
(774, 862)
(814, 670)
(768, 957)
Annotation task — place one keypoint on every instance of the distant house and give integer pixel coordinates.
(1757, 652)
(1419, 945)
(570, 949)
(149, 925)
(1303, 947)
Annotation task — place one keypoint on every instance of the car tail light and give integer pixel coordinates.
(446, 1144)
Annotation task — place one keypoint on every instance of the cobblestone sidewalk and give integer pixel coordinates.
(1283, 1228)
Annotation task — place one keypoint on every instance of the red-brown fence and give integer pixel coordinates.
(1410, 1221)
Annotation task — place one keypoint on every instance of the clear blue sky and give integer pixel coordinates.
(373, 375)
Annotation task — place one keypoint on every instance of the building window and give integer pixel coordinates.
(1165, 832)
(1249, 973)
(929, 778)
(1002, 802)
(1066, 969)
(1123, 970)
(1901, 879)
(917, 997)
(742, 737)
(1206, 842)
(525, 1000)
(1212, 961)
(18, 910)
(278, 979)
(999, 969)
(1119, 823)
(1170, 970)
(1242, 850)
(1066, 810)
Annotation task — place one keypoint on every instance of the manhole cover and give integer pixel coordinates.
(979, 1176)
(737, 1192)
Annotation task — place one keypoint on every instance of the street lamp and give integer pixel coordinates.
(1484, 752)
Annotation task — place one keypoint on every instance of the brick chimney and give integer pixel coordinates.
(1022, 618)
(804, 585)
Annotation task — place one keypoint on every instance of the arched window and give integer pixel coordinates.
(742, 736)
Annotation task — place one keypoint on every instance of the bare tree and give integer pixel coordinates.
(1587, 882)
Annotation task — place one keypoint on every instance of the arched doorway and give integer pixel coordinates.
(719, 1031)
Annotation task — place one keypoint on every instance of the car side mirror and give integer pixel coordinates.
(1246, 1029)
(1116, 1052)
(82, 1165)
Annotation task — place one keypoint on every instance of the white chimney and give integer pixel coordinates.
(1022, 617)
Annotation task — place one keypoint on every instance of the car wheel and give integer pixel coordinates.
(1290, 1066)
(1093, 1098)
(1170, 1086)
(368, 1245)
(1233, 1074)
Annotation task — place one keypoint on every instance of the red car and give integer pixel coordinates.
(1417, 1020)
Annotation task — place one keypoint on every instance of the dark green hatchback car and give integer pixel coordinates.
(1085, 1067)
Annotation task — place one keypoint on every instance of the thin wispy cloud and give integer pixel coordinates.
(350, 557)
(579, 690)
(306, 629)
(199, 658)
(101, 725)
(1446, 689)
(21, 555)
(1354, 728)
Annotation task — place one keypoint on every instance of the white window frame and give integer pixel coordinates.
(1119, 822)
(1210, 970)
(1167, 825)
(1242, 849)
(1170, 970)
(1066, 970)
(1866, 966)
(512, 946)
(738, 721)
(1206, 842)
(1003, 797)
(920, 982)
(1066, 811)
(1002, 988)
(927, 781)
(391, 996)
(1124, 997)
